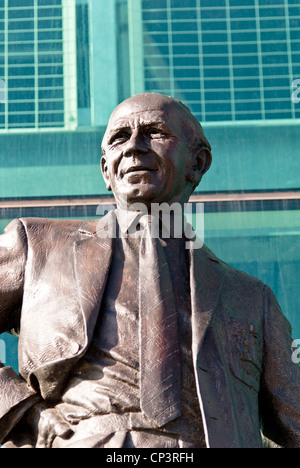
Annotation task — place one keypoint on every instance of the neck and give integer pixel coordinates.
(172, 217)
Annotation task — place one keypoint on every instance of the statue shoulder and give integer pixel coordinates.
(237, 281)
(41, 228)
(54, 229)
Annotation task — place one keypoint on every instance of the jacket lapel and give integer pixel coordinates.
(93, 253)
(206, 278)
(215, 394)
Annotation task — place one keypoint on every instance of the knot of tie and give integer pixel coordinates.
(150, 224)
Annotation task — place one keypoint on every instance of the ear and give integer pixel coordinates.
(104, 170)
(200, 163)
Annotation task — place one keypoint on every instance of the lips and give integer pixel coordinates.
(138, 168)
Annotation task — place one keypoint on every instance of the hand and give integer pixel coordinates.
(48, 424)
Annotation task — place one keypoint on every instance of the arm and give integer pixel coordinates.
(13, 257)
(16, 397)
(280, 383)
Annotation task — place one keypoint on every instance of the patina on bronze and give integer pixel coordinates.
(218, 369)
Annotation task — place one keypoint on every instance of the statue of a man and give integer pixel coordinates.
(141, 340)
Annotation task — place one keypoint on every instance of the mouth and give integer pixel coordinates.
(134, 169)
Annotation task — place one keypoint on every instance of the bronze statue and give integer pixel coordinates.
(134, 340)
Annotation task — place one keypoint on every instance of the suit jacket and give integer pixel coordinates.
(52, 278)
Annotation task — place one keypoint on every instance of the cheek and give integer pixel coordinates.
(112, 165)
(166, 153)
(176, 159)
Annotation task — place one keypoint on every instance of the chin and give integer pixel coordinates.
(145, 195)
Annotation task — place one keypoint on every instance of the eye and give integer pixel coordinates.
(120, 137)
(155, 133)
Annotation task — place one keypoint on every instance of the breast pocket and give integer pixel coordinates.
(244, 350)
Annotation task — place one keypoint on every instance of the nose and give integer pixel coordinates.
(136, 144)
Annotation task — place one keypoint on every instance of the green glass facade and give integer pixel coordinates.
(66, 64)
(228, 60)
(37, 64)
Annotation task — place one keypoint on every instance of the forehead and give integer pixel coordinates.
(133, 114)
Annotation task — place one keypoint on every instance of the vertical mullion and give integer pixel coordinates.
(136, 46)
(92, 79)
(70, 63)
(6, 63)
(260, 64)
(36, 66)
(201, 62)
(289, 50)
(169, 19)
(230, 61)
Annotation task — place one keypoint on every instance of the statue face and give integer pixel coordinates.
(146, 159)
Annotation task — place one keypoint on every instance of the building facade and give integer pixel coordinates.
(226, 59)
(67, 63)
(38, 64)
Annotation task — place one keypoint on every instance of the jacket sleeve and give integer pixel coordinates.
(280, 382)
(15, 395)
(13, 256)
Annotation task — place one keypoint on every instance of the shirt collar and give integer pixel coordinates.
(128, 221)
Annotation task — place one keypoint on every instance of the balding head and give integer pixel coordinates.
(154, 150)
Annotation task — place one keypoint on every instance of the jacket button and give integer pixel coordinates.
(74, 348)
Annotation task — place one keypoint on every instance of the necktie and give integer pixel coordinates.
(159, 344)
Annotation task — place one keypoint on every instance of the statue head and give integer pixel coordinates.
(153, 151)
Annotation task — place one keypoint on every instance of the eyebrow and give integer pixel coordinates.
(125, 126)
